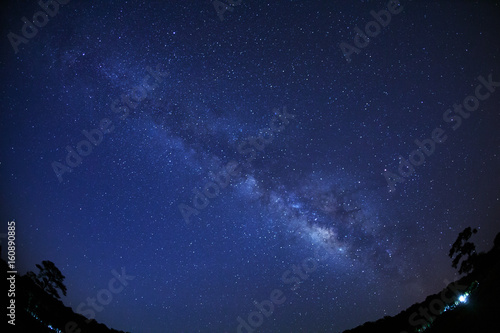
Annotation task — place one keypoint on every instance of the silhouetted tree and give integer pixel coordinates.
(49, 278)
(461, 248)
(496, 242)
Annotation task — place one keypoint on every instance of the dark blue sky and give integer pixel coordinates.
(183, 94)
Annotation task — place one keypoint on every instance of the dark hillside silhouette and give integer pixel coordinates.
(468, 305)
(38, 307)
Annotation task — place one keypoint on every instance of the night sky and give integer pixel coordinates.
(117, 116)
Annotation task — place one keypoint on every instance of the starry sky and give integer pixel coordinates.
(211, 152)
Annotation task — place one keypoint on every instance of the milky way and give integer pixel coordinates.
(190, 99)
